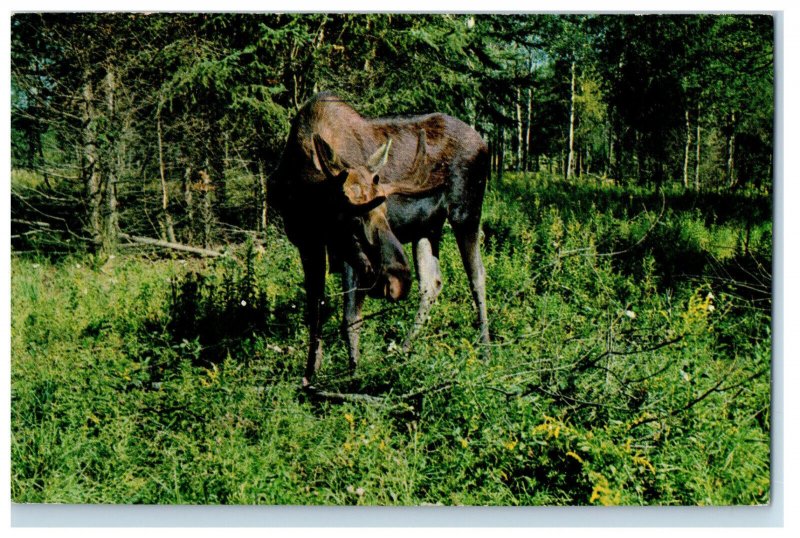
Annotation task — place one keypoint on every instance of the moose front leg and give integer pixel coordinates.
(352, 319)
(314, 268)
(430, 284)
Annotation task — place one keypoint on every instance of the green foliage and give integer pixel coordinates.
(631, 329)
(629, 365)
(149, 127)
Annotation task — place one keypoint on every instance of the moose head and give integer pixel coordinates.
(369, 244)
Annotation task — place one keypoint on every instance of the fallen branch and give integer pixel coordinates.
(585, 363)
(30, 222)
(342, 397)
(398, 401)
(569, 399)
(175, 246)
(24, 234)
(717, 387)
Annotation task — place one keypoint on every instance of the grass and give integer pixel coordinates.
(630, 365)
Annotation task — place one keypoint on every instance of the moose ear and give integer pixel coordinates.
(327, 161)
(379, 158)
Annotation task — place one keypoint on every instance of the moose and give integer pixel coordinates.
(353, 190)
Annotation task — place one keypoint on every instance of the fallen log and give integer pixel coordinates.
(167, 244)
(399, 400)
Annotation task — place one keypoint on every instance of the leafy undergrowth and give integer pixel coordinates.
(630, 364)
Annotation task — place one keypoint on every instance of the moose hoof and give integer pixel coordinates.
(307, 386)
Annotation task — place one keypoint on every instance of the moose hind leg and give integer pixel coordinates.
(430, 285)
(469, 246)
(352, 319)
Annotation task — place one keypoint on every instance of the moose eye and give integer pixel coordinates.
(376, 179)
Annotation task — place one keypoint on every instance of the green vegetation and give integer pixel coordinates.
(168, 124)
(630, 365)
(627, 241)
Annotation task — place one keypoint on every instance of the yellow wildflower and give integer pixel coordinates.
(572, 454)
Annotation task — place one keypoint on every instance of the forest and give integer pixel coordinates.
(157, 335)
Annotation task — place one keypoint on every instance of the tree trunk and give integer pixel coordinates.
(686, 151)
(520, 131)
(658, 173)
(611, 164)
(215, 167)
(295, 83)
(371, 54)
(638, 157)
(110, 215)
(262, 178)
(526, 153)
(90, 165)
(501, 149)
(587, 162)
(188, 199)
(571, 156)
(493, 155)
(759, 179)
(35, 140)
(730, 171)
(697, 154)
(40, 150)
(491, 158)
(206, 208)
(167, 218)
